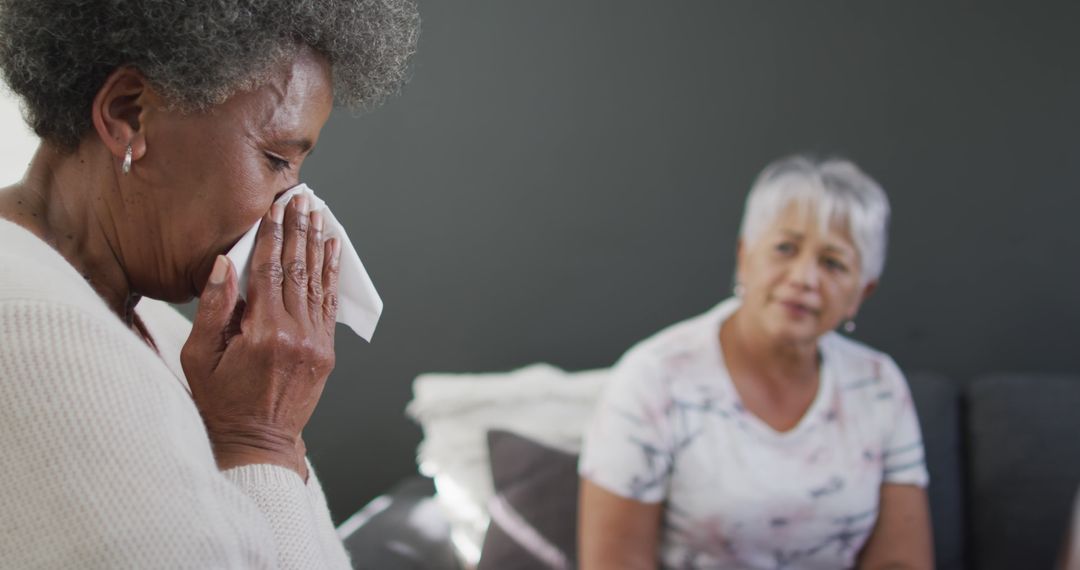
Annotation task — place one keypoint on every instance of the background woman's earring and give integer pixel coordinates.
(738, 290)
(127, 160)
(849, 327)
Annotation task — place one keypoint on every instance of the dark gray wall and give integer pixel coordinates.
(560, 179)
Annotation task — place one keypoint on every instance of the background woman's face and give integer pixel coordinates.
(207, 177)
(800, 282)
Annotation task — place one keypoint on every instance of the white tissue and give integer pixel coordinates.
(359, 305)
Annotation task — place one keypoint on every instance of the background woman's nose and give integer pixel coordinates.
(804, 272)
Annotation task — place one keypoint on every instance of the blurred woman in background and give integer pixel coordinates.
(754, 436)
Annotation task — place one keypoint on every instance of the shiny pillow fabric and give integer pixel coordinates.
(534, 509)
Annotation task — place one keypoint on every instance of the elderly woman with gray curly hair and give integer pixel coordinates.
(132, 438)
(754, 436)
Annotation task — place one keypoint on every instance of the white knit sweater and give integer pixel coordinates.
(104, 460)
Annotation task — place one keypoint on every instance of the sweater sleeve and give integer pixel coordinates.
(107, 463)
(297, 513)
(333, 548)
(274, 489)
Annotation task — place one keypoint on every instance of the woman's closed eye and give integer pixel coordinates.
(277, 163)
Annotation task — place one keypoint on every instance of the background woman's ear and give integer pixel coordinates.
(118, 109)
(868, 290)
(865, 294)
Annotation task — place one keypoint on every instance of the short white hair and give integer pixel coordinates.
(836, 190)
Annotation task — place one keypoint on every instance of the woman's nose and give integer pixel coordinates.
(804, 272)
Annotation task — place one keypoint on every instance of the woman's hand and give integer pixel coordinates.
(257, 370)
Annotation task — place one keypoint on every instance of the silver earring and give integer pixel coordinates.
(127, 160)
(738, 290)
(849, 327)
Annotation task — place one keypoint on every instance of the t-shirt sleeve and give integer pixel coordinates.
(627, 447)
(903, 457)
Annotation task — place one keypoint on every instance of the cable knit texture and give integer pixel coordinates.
(105, 460)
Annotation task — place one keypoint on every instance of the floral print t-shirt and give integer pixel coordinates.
(671, 428)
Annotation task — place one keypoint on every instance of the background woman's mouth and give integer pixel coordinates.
(797, 309)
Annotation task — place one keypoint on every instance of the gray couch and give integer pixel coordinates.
(1003, 461)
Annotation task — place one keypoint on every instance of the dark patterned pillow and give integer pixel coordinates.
(534, 510)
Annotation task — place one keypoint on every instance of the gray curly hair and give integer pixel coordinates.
(57, 54)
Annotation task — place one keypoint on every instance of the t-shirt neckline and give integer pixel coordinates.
(753, 422)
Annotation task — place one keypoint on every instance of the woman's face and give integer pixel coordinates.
(207, 177)
(800, 281)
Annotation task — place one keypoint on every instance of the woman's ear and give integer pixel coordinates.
(868, 290)
(865, 294)
(118, 110)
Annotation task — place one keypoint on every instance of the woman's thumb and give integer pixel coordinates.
(216, 305)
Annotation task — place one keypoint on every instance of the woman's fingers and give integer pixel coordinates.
(257, 393)
(264, 284)
(294, 257)
(331, 269)
(315, 256)
(291, 263)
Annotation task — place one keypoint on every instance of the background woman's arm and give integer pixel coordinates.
(616, 533)
(901, 538)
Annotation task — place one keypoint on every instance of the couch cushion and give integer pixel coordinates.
(402, 530)
(534, 510)
(1024, 467)
(540, 401)
(937, 401)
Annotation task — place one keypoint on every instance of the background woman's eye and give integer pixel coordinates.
(835, 265)
(277, 163)
(785, 247)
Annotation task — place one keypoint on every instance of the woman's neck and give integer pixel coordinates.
(776, 362)
(65, 199)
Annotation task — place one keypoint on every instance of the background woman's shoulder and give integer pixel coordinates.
(682, 339)
(681, 358)
(856, 364)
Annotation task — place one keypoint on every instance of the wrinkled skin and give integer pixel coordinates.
(198, 181)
